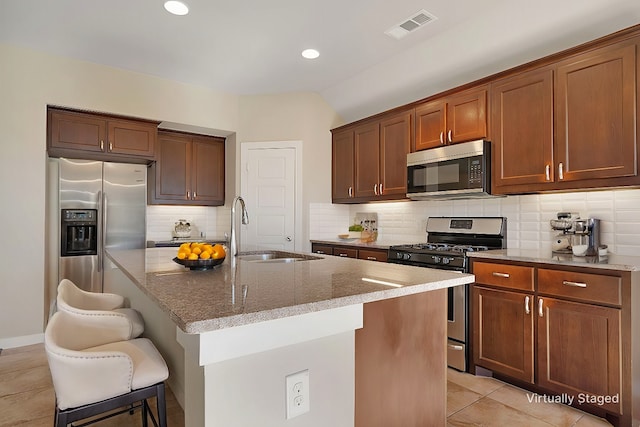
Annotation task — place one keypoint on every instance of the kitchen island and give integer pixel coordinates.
(232, 334)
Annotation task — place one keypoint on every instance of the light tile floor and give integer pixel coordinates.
(488, 402)
(27, 399)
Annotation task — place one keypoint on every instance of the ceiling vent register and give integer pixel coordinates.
(418, 20)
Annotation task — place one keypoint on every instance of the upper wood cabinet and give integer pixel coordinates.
(93, 136)
(189, 170)
(592, 99)
(595, 113)
(522, 134)
(342, 166)
(370, 160)
(457, 118)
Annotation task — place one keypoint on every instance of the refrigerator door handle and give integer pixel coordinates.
(102, 224)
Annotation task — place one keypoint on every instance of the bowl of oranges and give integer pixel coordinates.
(200, 256)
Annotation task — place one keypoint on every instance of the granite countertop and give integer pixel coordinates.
(378, 244)
(609, 262)
(250, 292)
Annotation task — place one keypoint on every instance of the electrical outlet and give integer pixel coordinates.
(297, 393)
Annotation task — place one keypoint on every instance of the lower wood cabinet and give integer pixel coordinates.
(503, 332)
(579, 349)
(560, 331)
(366, 253)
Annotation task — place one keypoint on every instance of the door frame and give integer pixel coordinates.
(298, 185)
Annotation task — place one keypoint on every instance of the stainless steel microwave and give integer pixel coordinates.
(457, 171)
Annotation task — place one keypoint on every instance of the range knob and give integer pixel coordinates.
(406, 257)
(446, 260)
(436, 259)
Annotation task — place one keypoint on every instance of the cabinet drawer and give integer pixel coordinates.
(372, 255)
(345, 252)
(596, 288)
(321, 249)
(504, 275)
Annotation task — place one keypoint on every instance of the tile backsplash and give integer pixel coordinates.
(207, 222)
(527, 217)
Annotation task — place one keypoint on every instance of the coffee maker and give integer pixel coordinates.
(586, 237)
(578, 236)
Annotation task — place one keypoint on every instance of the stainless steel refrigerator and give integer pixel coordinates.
(101, 205)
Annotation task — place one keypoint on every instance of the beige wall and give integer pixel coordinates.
(302, 117)
(30, 80)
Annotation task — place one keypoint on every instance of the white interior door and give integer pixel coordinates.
(269, 189)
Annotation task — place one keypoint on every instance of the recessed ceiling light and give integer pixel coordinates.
(176, 7)
(310, 53)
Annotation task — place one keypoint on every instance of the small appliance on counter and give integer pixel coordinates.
(182, 229)
(581, 237)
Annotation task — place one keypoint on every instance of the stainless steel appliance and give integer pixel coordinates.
(449, 240)
(102, 205)
(450, 172)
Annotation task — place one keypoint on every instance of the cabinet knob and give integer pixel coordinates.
(441, 137)
(188, 195)
(449, 136)
(194, 195)
(110, 146)
(547, 172)
(288, 238)
(526, 305)
(372, 258)
(381, 189)
(350, 191)
(503, 275)
(375, 189)
(101, 145)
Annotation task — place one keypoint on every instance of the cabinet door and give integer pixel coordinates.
(367, 160)
(522, 130)
(345, 252)
(131, 138)
(395, 143)
(467, 116)
(172, 169)
(76, 131)
(579, 349)
(342, 166)
(379, 255)
(207, 173)
(596, 114)
(430, 124)
(503, 332)
(318, 248)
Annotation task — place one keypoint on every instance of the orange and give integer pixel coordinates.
(205, 255)
(218, 252)
(196, 250)
(181, 255)
(185, 251)
(193, 257)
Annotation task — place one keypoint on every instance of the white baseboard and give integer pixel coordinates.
(21, 341)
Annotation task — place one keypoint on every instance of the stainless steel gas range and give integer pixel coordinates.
(449, 240)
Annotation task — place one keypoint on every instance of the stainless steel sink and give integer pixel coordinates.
(274, 256)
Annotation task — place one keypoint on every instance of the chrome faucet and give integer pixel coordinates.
(245, 220)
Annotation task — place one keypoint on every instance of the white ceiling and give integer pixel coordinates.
(253, 46)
